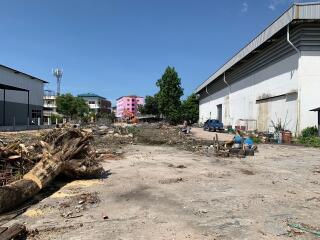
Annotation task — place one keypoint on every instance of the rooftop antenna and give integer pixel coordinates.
(58, 74)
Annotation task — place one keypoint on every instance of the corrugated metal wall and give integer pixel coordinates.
(306, 11)
(304, 36)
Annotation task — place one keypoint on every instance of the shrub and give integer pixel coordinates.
(132, 129)
(56, 116)
(309, 132)
(256, 140)
(309, 137)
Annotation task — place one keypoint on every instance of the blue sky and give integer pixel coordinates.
(121, 47)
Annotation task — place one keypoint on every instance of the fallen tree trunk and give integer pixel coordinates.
(45, 171)
(16, 193)
(55, 159)
(39, 177)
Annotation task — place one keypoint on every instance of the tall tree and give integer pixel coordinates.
(190, 108)
(150, 106)
(170, 92)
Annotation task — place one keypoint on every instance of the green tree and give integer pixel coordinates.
(65, 104)
(168, 97)
(150, 106)
(82, 107)
(190, 108)
(71, 106)
(55, 117)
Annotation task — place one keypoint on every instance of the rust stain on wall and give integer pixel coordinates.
(263, 114)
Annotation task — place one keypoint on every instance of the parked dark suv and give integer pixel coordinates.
(213, 125)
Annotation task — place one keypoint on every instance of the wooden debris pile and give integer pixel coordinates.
(16, 160)
(227, 149)
(73, 206)
(64, 151)
(16, 231)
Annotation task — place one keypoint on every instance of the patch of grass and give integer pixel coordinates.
(309, 137)
(132, 129)
(312, 141)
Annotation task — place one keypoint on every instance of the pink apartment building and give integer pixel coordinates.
(127, 105)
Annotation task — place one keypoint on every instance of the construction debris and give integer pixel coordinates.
(237, 147)
(299, 229)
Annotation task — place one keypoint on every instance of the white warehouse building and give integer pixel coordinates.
(276, 77)
(21, 98)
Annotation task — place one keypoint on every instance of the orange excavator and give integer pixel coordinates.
(130, 117)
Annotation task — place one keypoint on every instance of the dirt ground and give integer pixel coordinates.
(198, 133)
(160, 192)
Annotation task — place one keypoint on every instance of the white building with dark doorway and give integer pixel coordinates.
(276, 77)
(21, 98)
(96, 103)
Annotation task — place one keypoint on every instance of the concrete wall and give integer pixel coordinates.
(309, 87)
(271, 84)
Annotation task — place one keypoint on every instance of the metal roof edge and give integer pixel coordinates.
(90, 95)
(19, 72)
(307, 3)
(283, 20)
(132, 96)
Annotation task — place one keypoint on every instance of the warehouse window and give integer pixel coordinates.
(36, 113)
